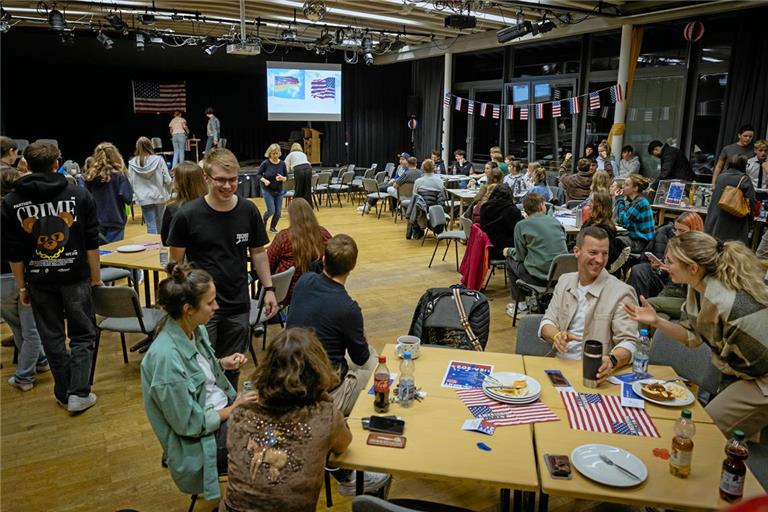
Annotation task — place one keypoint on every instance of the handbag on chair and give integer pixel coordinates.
(733, 201)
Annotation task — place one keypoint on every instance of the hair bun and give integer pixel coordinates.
(177, 271)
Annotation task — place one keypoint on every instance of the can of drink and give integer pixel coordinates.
(248, 387)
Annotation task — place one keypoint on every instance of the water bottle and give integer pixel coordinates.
(640, 360)
(682, 445)
(406, 386)
(163, 256)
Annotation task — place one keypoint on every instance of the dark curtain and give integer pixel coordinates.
(427, 79)
(746, 100)
(373, 116)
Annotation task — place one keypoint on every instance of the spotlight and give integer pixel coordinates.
(68, 37)
(513, 32)
(542, 27)
(350, 57)
(4, 15)
(211, 49)
(147, 19)
(117, 22)
(289, 34)
(314, 10)
(4, 27)
(105, 40)
(139, 42)
(56, 20)
(366, 45)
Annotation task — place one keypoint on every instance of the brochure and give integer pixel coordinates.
(629, 398)
(463, 375)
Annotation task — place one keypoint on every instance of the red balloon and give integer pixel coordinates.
(693, 31)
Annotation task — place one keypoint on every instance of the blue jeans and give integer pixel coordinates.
(21, 320)
(179, 148)
(153, 215)
(52, 304)
(274, 206)
(208, 144)
(113, 234)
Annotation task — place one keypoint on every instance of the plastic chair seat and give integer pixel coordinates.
(111, 274)
(150, 316)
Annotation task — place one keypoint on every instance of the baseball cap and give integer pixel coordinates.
(405, 155)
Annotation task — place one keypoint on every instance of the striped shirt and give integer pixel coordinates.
(637, 217)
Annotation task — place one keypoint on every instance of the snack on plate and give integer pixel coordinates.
(677, 392)
(656, 391)
(518, 388)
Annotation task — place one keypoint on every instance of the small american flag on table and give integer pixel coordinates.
(501, 415)
(593, 412)
(154, 97)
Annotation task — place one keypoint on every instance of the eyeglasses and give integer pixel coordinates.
(221, 182)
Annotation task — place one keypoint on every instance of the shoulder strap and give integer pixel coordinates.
(465, 322)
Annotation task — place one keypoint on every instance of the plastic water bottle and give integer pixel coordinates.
(682, 445)
(406, 386)
(640, 360)
(163, 256)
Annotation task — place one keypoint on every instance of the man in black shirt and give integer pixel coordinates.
(461, 165)
(213, 232)
(674, 164)
(339, 327)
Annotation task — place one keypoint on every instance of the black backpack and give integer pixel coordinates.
(437, 320)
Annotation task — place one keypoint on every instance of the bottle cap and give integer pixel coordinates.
(643, 332)
(686, 413)
(407, 355)
(738, 434)
(382, 358)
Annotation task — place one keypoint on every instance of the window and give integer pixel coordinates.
(706, 120)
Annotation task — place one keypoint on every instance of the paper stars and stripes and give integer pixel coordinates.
(539, 111)
(471, 107)
(593, 412)
(499, 414)
(496, 112)
(556, 109)
(458, 102)
(483, 109)
(594, 100)
(524, 113)
(648, 116)
(510, 112)
(574, 105)
(615, 92)
(447, 100)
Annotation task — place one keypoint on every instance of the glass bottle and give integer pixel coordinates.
(682, 445)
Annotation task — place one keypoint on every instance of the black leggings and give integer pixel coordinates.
(302, 175)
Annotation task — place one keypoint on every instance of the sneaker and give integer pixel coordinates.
(79, 404)
(24, 386)
(43, 367)
(372, 482)
(361, 208)
(273, 230)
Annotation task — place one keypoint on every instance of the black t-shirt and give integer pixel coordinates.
(216, 242)
(270, 171)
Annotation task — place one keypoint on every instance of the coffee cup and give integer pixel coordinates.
(592, 359)
(411, 344)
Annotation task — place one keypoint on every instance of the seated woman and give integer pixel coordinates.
(651, 278)
(633, 212)
(726, 308)
(538, 177)
(601, 182)
(187, 397)
(494, 179)
(498, 218)
(601, 215)
(278, 444)
(605, 161)
(188, 184)
(298, 246)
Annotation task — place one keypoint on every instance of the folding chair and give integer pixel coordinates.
(257, 315)
(371, 188)
(437, 216)
(344, 185)
(562, 264)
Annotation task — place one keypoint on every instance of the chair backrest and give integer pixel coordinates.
(552, 178)
(290, 184)
(351, 167)
(695, 364)
(323, 178)
(365, 503)
(380, 177)
(436, 216)
(573, 203)
(282, 283)
(21, 145)
(466, 226)
(559, 196)
(405, 190)
(315, 178)
(49, 141)
(371, 186)
(117, 302)
(347, 177)
(157, 143)
(222, 143)
(389, 168)
(373, 168)
(562, 264)
(369, 172)
(528, 342)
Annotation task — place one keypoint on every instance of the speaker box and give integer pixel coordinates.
(414, 106)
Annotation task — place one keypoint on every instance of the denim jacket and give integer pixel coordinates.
(173, 385)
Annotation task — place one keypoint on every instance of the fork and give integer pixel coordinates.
(608, 461)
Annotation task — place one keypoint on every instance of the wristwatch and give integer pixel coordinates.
(269, 289)
(614, 361)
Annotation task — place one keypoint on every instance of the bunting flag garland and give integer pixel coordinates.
(471, 107)
(615, 93)
(510, 112)
(458, 103)
(594, 100)
(556, 94)
(556, 109)
(447, 100)
(496, 111)
(524, 113)
(648, 116)
(483, 109)
(574, 104)
(539, 111)
(619, 93)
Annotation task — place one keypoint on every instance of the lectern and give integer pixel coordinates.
(312, 145)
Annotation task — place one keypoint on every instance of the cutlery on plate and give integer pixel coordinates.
(608, 461)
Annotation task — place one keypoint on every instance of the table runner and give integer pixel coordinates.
(501, 414)
(593, 412)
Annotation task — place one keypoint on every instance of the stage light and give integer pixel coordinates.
(515, 31)
(289, 34)
(147, 19)
(117, 22)
(542, 27)
(105, 40)
(314, 10)
(68, 37)
(366, 45)
(139, 42)
(211, 49)
(56, 20)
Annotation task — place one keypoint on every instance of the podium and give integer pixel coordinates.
(312, 145)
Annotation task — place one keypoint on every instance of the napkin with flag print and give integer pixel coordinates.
(593, 412)
(502, 415)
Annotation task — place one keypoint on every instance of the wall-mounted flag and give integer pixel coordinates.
(458, 103)
(483, 109)
(510, 112)
(574, 104)
(539, 111)
(524, 113)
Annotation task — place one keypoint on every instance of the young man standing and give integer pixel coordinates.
(742, 147)
(212, 130)
(51, 235)
(213, 232)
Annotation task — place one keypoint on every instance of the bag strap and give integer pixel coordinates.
(741, 181)
(465, 322)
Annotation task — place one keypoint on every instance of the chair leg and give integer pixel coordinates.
(514, 318)
(125, 351)
(250, 345)
(437, 243)
(328, 492)
(95, 353)
(264, 337)
(448, 247)
(490, 275)
(192, 503)
(456, 248)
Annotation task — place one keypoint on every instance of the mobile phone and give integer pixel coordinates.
(559, 466)
(386, 425)
(557, 378)
(652, 257)
(366, 420)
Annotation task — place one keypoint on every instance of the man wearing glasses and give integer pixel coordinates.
(214, 232)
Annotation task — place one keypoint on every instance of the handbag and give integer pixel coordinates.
(733, 201)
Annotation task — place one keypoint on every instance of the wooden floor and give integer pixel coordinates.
(109, 459)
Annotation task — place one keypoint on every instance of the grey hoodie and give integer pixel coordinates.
(627, 167)
(150, 181)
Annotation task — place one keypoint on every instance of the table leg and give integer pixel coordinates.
(529, 501)
(543, 502)
(517, 501)
(359, 482)
(504, 499)
(147, 292)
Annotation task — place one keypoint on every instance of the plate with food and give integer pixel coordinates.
(671, 394)
(512, 387)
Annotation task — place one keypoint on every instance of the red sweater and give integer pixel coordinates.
(280, 253)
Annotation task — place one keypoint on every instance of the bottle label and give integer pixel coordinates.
(732, 484)
(381, 385)
(406, 391)
(680, 458)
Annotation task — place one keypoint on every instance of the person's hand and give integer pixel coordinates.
(605, 370)
(24, 297)
(644, 314)
(215, 142)
(265, 181)
(270, 303)
(391, 182)
(561, 339)
(604, 154)
(280, 177)
(505, 252)
(233, 362)
(242, 398)
(97, 282)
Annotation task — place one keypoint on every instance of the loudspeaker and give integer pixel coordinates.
(414, 106)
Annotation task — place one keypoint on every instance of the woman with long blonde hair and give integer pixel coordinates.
(299, 246)
(188, 184)
(105, 179)
(726, 308)
(150, 179)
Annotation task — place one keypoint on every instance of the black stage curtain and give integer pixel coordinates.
(373, 116)
(427, 78)
(746, 100)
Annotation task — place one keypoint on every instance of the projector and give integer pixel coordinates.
(243, 49)
(460, 21)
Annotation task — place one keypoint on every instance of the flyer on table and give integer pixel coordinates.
(463, 375)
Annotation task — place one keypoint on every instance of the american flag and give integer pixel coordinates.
(619, 93)
(524, 113)
(323, 88)
(154, 97)
(594, 100)
(556, 109)
(510, 112)
(539, 111)
(447, 100)
(499, 414)
(615, 94)
(458, 103)
(593, 412)
(496, 112)
(573, 102)
(648, 116)
(471, 107)
(483, 109)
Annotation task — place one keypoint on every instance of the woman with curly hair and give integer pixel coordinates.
(278, 444)
(105, 178)
(726, 308)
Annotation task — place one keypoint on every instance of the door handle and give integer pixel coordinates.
(529, 141)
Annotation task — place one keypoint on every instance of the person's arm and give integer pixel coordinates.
(177, 254)
(520, 249)
(624, 328)
(354, 334)
(17, 267)
(260, 264)
(90, 222)
(184, 125)
(182, 412)
(216, 130)
(178, 238)
(165, 226)
(125, 191)
(718, 167)
(94, 264)
(645, 314)
(341, 436)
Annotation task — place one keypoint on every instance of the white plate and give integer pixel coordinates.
(687, 400)
(586, 459)
(510, 401)
(131, 248)
(508, 378)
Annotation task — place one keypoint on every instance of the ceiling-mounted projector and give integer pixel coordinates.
(515, 31)
(460, 21)
(244, 49)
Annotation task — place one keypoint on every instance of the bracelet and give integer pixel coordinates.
(556, 336)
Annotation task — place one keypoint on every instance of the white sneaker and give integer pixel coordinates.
(24, 386)
(361, 208)
(372, 482)
(79, 404)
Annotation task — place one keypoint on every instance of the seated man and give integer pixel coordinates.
(387, 185)
(410, 175)
(460, 165)
(429, 180)
(538, 239)
(589, 305)
(438, 161)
